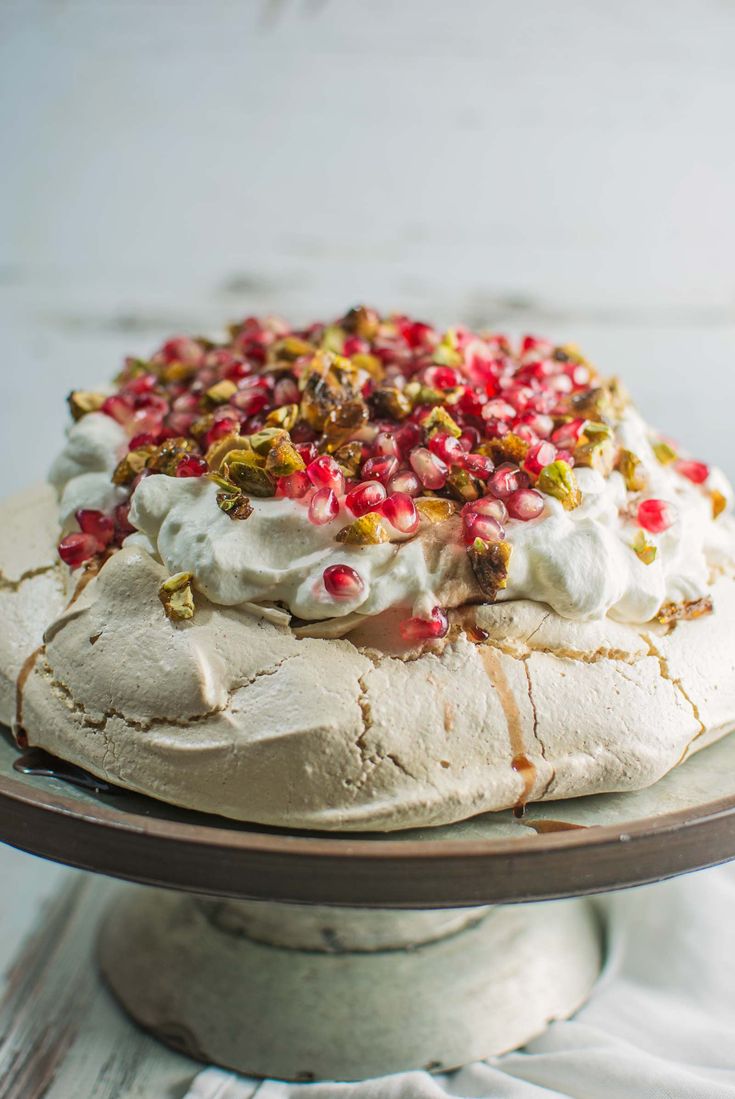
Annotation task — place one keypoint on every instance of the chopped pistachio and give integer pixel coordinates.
(490, 562)
(333, 338)
(435, 509)
(83, 401)
(285, 417)
(343, 421)
(201, 426)
(368, 530)
(220, 393)
(595, 431)
(664, 452)
(131, 465)
(222, 482)
(371, 364)
(349, 458)
(631, 470)
(166, 457)
(392, 402)
(222, 447)
(423, 394)
(446, 352)
(645, 550)
(290, 348)
(719, 503)
(462, 486)
(284, 459)
(607, 399)
(506, 448)
(440, 420)
(262, 441)
(176, 372)
(177, 596)
(246, 469)
(686, 611)
(329, 381)
(599, 454)
(558, 480)
(361, 322)
(235, 504)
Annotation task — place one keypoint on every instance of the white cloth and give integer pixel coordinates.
(659, 1025)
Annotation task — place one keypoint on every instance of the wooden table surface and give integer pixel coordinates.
(563, 168)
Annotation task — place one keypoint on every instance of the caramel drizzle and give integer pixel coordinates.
(520, 762)
(91, 570)
(543, 826)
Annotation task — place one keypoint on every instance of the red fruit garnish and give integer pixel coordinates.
(479, 465)
(368, 496)
(698, 472)
(538, 457)
(525, 504)
(405, 481)
(98, 525)
(380, 469)
(295, 486)
(77, 548)
(506, 480)
(480, 526)
(342, 582)
(192, 466)
(430, 469)
(400, 511)
(123, 526)
(656, 516)
(324, 472)
(118, 408)
(488, 505)
(567, 436)
(445, 447)
(422, 629)
(323, 507)
(385, 445)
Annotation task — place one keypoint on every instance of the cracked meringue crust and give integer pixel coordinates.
(234, 714)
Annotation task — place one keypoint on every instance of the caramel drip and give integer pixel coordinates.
(520, 763)
(20, 684)
(543, 826)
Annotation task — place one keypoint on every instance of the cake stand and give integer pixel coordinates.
(309, 956)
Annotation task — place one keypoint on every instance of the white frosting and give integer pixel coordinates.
(580, 563)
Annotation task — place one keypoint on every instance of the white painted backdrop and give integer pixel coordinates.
(563, 166)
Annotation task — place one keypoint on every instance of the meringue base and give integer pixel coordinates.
(235, 714)
(301, 993)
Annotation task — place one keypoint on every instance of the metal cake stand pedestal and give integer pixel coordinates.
(310, 956)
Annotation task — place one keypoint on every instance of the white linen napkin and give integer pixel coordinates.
(660, 1023)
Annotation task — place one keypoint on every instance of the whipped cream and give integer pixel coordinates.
(581, 563)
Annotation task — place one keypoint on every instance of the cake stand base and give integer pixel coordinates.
(306, 993)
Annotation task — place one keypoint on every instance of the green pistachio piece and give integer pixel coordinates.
(440, 420)
(462, 486)
(664, 452)
(83, 401)
(284, 417)
(262, 441)
(177, 596)
(631, 470)
(392, 402)
(246, 470)
(558, 480)
(644, 549)
(368, 530)
(220, 393)
(284, 459)
(235, 504)
(490, 562)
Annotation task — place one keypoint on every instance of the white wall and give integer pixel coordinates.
(562, 166)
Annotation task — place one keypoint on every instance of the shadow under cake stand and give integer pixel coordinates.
(310, 956)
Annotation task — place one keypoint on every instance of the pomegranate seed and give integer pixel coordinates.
(308, 452)
(285, 391)
(541, 424)
(498, 410)
(407, 437)
(506, 480)
(192, 466)
(386, 446)
(366, 497)
(181, 349)
(342, 582)
(380, 469)
(417, 334)
(430, 469)
(488, 505)
(295, 486)
(423, 629)
(656, 516)
(99, 525)
(481, 526)
(441, 377)
(118, 408)
(400, 511)
(479, 465)
(697, 472)
(565, 456)
(525, 504)
(146, 439)
(567, 435)
(355, 346)
(405, 481)
(144, 383)
(470, 438)
(181, 423)
(324, 472)
(445, 447)
(525, 432)
(323, 507)
(220, 430)
(250, 401)
(77, 548)
(123, 526)
(538, 457)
